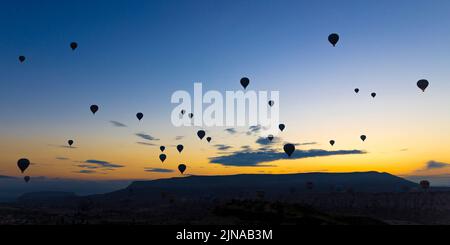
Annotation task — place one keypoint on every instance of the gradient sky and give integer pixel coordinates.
(133, 55)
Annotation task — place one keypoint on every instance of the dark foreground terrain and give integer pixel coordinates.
(317, 199)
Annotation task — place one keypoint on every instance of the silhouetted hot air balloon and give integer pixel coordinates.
(333, 39)
(23, 164)
(270, 137)
(139, 115)
(22, 58)
(423, 84)
(271, 103)
(94, 108)
(363, 137)
(73, 45)
(180, 148)
(208, 139)
(281, 127)
(182, 168)
(27, 179)
(162, 148)
(182, 112)
(356, 90)
(162, 157)
(201, 134)
(245, 82)
(191, 115)
(373, 95)
(70, 142)
(332, 142)
(425, 184)
(289, 149)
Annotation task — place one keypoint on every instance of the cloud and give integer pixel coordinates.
(145, 143)
(306, 143)
(246, 147)
(179, 137)
(265, 141)
(254, 129)
(146, 136)
(118, 124)
(62, 158)
(100, 164)
(436, 165)
(231, 130)
(254, 159)
(159, 170)
(85, 171)
(222, 147)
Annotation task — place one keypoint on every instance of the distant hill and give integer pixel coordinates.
(272, 186)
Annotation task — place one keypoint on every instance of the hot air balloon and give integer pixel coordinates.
(73, 45)
(333, 39)
(270, 137)
(162, 157)
(139, 115)
(26, 178)
(423, 84)
(201, 134)
(289, 149)
(281, 127)
(363, 137)
(180, 148)
(70, 142)
(182, 112)
(425, 184)
(245, 82)
(182, 168)
(94, 108)
(23, 164)
(208, 139)
(162, 148)
(22, 58)
(373, 95)
(191, 115)
(271, 103)
(356, 90)
(332, 142)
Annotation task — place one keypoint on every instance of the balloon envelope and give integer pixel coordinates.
(245, 82)
(139, 115)
(373, 94)
(70, 142)
(281, 127)
(73, 45)
(21, 58)
(162, 148)
(191, 115)
(271, 103)
(270, 137)
(182, 112)
(182, 168)
(94, 108)
(23, 164)
(162, 157)
(26, 178)
(208, 139)
(333, 39)
(201, 134)
(356, 90)
(289, 149)
(363, 137)
(180, 148)
(332, 142)
(425, 184)
(423, 84)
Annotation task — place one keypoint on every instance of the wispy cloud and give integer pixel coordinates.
(222, 147)
(159, 170)
(436, 165)
(231, 130)
(62, 158)
(145, 143)
(146, 136)
(98, 164)
(254, 159)
(85, 171)
(118, 124)
(179, 137)
(254, 129)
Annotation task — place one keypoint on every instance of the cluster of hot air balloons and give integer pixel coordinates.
(73, 46)
(162, 157)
